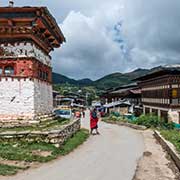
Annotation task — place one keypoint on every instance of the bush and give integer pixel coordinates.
(115, 118)
(148, 121)
(168, 126)
(117, 114)
(153, 121)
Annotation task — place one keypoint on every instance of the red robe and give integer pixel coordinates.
(93, 121)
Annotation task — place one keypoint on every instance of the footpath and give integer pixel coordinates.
(155, 164)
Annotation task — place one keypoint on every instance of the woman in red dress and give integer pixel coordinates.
(94, 121)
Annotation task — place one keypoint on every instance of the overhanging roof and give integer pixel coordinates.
(171, 70)
(35, 23)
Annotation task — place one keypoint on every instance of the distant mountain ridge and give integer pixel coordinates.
(61, 79)
(106, 82)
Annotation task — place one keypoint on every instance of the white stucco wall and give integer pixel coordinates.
(16, 98)
(173, 116)
(24, 98)
(43, 102)
(25, 50)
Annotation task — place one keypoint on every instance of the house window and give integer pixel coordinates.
(9, 70)
(46, 75)
(40, 74)
(1, 71)
(43, 75)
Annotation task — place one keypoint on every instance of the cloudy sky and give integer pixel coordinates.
(105, 36)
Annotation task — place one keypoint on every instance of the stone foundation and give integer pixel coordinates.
(56, 137)
(18, 121)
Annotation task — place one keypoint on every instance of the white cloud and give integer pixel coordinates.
(90, 50)
(97, 44)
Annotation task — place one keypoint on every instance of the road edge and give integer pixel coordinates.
(168, 147)
(134, 126)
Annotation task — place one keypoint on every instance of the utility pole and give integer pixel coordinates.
(87, 99)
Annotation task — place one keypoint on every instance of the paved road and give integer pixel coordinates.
(112, 155)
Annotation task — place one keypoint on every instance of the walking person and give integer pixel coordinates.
(94, 121)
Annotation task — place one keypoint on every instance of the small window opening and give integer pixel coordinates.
(9, 70)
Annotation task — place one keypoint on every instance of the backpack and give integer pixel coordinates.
(94, 115)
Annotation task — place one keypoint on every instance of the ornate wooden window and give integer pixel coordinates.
(1, 70)
(47, 75)
(43, 75)
(9, 70)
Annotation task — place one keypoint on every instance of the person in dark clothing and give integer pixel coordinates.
(83, 113)
(94, 121)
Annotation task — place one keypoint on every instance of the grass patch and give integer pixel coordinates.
(173, 136)
(115, 119)
(23, 151)
(54, 124)
(6, 170)
(74, 141)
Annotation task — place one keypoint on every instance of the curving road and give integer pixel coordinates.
(112, 155)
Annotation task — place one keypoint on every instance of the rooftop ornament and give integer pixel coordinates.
(11, 3)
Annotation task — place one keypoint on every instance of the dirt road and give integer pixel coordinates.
(113, 155)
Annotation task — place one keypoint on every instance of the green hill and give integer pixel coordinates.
(106, 82)
(118, 79)
(61, 79)
(112, 80)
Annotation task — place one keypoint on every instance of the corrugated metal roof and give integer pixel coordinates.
(117, 103)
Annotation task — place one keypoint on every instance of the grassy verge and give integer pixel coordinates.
(6, 170)
(74, 142)
(114, 119)
(173, 136)
(33, 152)
(149, 121)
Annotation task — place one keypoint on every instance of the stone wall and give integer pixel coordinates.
(56, 137)
(169, 147)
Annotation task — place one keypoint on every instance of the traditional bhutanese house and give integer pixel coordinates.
(161, 93)
(70, 100)
(27, 36)
(77, 98)
(130, 94)
(121, 107)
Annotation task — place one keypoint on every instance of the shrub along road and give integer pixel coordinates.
(111, 155)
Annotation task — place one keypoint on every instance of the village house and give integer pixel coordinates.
(70, 99)
(129, 92)
(161, 93)
(27, 36)
(123, 99)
